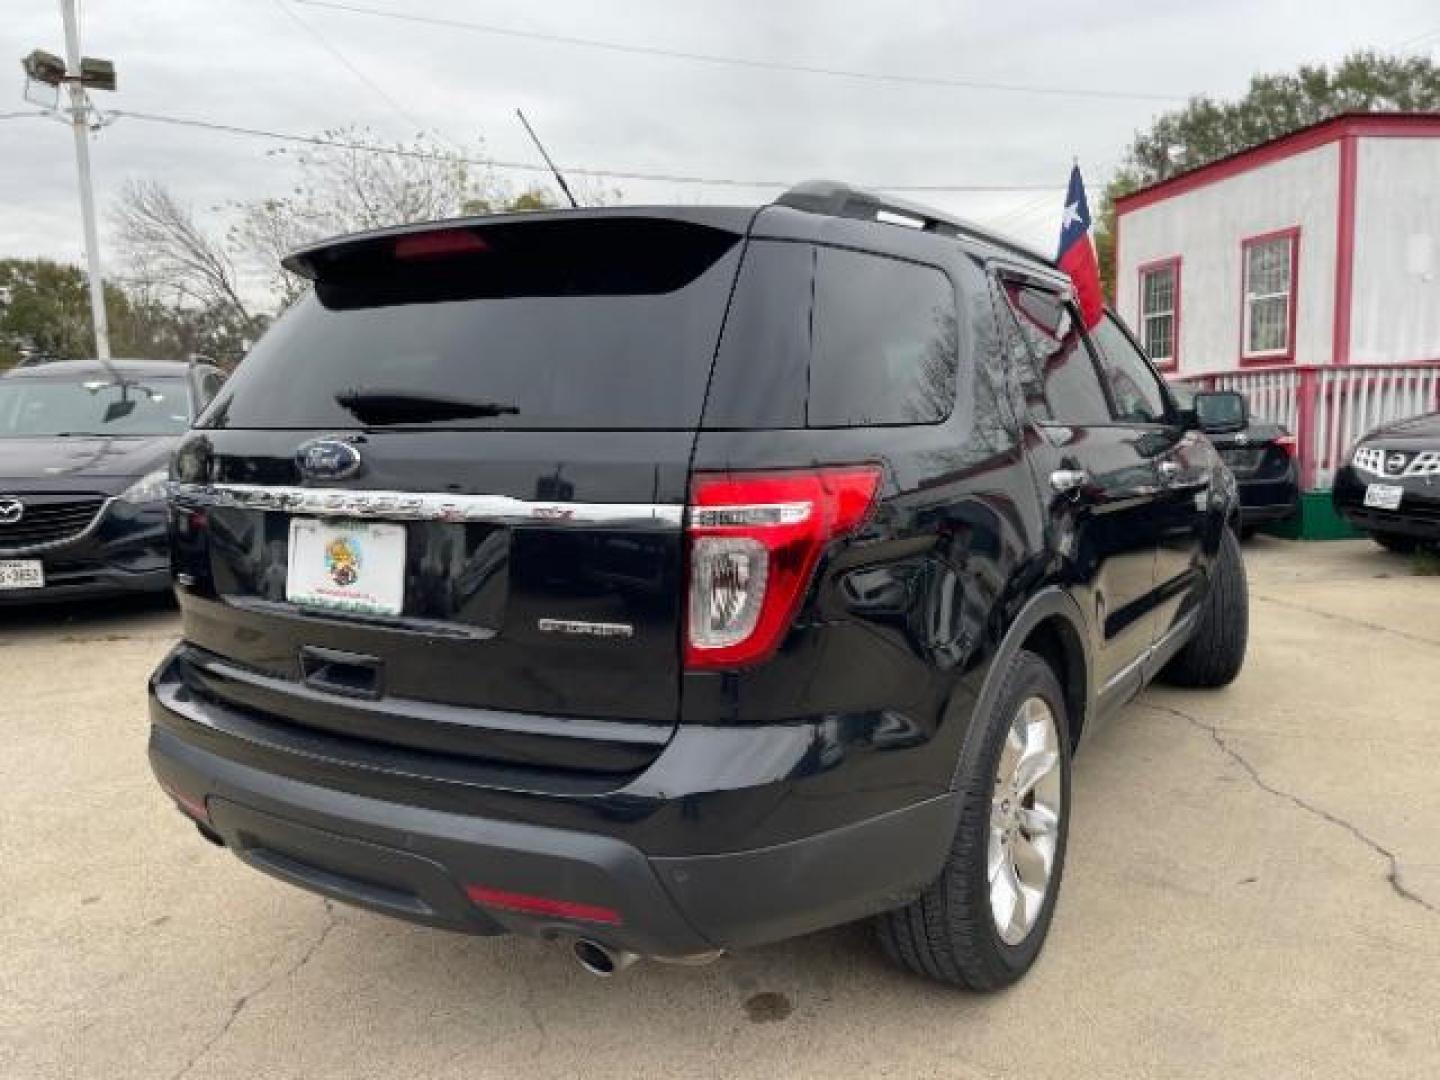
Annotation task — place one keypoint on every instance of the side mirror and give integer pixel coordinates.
(1219, 412)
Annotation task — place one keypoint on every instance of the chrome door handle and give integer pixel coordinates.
(1068, 481)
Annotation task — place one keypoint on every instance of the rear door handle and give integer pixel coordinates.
(1068, 481)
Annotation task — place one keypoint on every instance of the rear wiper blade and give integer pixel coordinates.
(375, 405)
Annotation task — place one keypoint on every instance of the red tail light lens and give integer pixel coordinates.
(1286, 443)
(754, 541)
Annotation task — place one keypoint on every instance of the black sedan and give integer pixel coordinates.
(1260, 452)
(84, 448)
(1390, 488)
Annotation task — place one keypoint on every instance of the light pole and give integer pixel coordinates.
(79, 73)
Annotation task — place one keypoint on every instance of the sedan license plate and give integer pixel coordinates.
(346, 566)
(1383, 496)
(22, 574)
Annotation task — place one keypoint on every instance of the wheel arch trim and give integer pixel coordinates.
(1052, 602)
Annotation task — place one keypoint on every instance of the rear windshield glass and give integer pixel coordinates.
(607, 323)
(100, 405)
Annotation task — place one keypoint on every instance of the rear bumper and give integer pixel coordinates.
(417, 862)
(1269, 498)
(1418, 515)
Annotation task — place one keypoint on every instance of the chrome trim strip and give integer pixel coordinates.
(56, 545)
(1185, 624)
(429, 506)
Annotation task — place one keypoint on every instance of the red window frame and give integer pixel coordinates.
(1247, 358)
(1173, 363)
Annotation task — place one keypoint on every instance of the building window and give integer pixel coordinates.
(1160, 311)
(1268, 321)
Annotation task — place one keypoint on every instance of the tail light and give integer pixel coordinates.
(1286, 443)
(754, 541)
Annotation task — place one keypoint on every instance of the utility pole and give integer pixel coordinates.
(45, 73)
(80, 124)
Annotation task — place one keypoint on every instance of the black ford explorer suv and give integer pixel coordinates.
(1390, 488)
(84, 449)
(669, 580)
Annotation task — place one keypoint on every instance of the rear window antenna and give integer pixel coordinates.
(559, 178)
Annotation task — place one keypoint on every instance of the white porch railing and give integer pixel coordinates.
(1328, 408)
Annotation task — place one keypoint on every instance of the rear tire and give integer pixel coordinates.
(1215, 652)
(1399, 544)
(952, 933)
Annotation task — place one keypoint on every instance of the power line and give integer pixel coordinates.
(344, 60)
(743, 61)
(1416, 40)
(525, 166)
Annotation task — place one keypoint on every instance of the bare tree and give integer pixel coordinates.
(170, 252)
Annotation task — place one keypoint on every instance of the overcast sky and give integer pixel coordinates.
(250, 63)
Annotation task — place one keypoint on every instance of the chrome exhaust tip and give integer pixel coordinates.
(601, 960)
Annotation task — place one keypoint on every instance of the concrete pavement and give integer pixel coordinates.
(1253, 889)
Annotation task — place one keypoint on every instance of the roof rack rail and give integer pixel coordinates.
(842, 200)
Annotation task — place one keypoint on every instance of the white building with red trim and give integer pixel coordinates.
(1304, 271)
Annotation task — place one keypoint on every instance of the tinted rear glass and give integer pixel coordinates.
(606, 323)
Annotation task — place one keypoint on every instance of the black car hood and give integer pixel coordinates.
(1426, 427)
(90, 463)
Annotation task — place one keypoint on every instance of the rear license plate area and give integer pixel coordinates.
(356, 566)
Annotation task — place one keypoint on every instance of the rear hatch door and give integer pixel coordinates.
(440, 504)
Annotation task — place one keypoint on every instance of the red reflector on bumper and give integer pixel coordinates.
(191, 806)
(525, 904)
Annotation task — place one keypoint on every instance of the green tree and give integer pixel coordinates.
(1275, 105)
(45, 310)
(45, 313)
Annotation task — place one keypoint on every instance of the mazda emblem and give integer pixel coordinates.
(328, 459)
(11, 511)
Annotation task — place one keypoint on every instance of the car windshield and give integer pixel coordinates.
(95, 405)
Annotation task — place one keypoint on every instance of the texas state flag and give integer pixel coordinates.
(1077, 252)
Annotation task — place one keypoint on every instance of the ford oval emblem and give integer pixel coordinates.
(328, 459)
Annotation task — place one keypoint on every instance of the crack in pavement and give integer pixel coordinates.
(1392, 874)
(1418, 638)
(331, 922)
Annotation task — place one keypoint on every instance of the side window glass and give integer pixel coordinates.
(886, 344)
(209, 387)
(1055, 371)
(1133, 386)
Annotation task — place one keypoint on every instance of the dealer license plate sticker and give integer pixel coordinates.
(1384, 496)
(22, 574)
(346, 566)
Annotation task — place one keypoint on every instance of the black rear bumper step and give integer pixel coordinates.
(416, 862)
